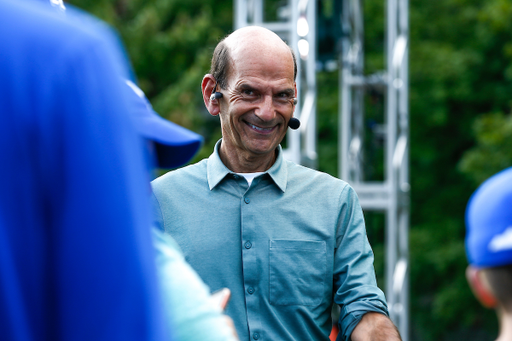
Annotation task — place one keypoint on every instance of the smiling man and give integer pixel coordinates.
(258, 101)
(287, 240)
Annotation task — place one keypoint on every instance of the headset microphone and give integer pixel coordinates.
(294, 123)
(215, 95)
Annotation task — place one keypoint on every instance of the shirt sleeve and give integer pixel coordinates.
(193, 313)
(354, 275)
(156, 216)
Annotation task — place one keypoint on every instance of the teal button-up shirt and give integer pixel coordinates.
(190, 309)
(288, 246)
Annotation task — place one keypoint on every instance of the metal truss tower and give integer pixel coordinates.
(390, 196)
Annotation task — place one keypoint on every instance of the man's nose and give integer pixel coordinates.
(266, 109)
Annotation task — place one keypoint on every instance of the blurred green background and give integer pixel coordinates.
(460, 122)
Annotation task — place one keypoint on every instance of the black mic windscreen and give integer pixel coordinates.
(294, 123)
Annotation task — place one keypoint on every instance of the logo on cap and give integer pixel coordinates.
(502, 241)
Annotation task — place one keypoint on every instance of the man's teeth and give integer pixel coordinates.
(260, 129)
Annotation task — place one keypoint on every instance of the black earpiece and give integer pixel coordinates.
(215, 95)
(294, 123)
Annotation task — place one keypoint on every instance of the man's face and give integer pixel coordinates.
(259, 101)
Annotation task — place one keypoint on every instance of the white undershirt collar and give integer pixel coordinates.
(250, 176)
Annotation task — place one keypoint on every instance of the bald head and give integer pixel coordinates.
(241, 47)
(255, 39)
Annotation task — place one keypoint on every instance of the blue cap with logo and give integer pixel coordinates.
(489, 222)
(174, 145)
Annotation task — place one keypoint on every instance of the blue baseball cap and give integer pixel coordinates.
(489, 222)
(174, 145)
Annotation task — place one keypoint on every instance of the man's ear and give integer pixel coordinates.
(480, 287)
(208, 87)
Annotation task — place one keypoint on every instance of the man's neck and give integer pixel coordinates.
(505, 327)
(246, 163)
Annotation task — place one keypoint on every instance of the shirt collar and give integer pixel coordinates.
(217, 171)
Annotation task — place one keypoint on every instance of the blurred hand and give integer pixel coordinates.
(222, 297)
(231, 325)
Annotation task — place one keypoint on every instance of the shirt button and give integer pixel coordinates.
(248, 245)
(256, 336)
(250, 290)
(247, 200)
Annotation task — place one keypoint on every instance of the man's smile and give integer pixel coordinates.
(261, 129)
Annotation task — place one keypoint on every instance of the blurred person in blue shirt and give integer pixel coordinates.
(489, 247)
(287, 241)
(76, 254)
(185, 302)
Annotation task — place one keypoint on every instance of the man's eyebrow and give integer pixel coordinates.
(289, 92)
(245, 86)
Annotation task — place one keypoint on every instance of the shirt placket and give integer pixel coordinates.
(251, 252)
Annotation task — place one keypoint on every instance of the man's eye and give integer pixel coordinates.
(248, 92)
(283, 96)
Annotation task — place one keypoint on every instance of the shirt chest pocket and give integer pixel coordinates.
(297, 272)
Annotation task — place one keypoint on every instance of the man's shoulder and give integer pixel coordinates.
(307, 174)
(190, 173)
(320, 185)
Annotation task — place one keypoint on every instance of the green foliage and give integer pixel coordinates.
(170, 43)
(493, 151)
(459, 60)
(460, 81)
(327, 122)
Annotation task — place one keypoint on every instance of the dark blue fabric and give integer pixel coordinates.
(76, 259)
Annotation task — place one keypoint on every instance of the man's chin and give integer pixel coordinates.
(262, 150)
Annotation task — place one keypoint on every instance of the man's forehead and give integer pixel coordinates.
(261, 76)
(265, 66)
(259, 57)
